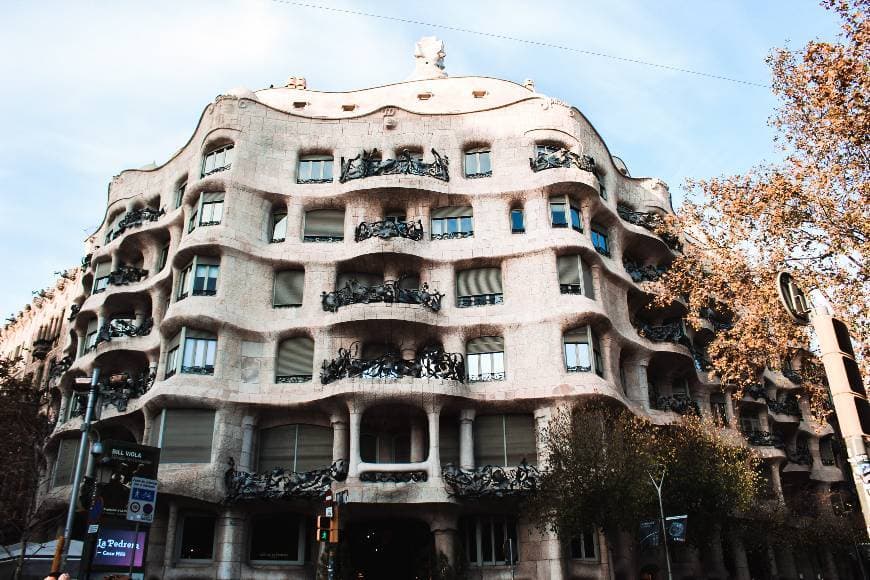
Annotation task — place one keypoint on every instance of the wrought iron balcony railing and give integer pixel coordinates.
(86, 261)
(74, 311)
(292, 378)
(757, 391)
(788, 406)
(323, 239)
(793, 376)
(649, 221)
(680, 404)
(561, 158)
(640, 273)
(368, 164)
(41, 347)
(578, 368)
(137, 217)
(393, 476)
(124, 328)
(479, 300)
(491, 481)
(674, 331)
(122, 387)
(702, 359)
(718, 320)
(453, 235)
(127, 275)
(799, 456)
(430, 362)
(59, 367)
(764, 439)
(571, 288)
(486, 377)
(390, 292)
(386, 229)
(280, 483)
(198, 370)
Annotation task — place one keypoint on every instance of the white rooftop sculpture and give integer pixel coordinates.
(429, 56)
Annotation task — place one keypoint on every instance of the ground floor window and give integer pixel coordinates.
(584, 546)
(279, 539)
(197, 537)
(490, 540)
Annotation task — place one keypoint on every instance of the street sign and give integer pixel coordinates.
(676, 526)
(143, 497)
(649, 533)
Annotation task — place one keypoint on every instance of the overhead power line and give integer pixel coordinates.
(522, 40)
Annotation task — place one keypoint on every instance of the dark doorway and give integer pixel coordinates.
(389, 549)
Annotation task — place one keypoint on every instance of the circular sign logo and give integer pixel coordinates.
(134, 506)
(793, 298)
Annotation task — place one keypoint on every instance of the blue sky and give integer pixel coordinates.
(92, 88)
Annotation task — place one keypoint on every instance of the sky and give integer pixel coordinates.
(92, 88)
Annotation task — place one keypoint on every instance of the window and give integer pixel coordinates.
(297, 448)
(212, 210)
(452, 222)
(278, 539)
(199, 353)
(585, 546)
(163, 257)
(199, 278)
(562, 212)
(717, 408)
(504, 440)
(324, 225)
(826, 451)
(65, 462)
(479, 287)
(278, 227)
(547, 150)
(314, 169)
(197, 537)
(602, 190)
(448, 440)
(90, 336)
(288, 288)
(478, 163)
(171, 362)
(217, 160)
(179, 194)
(600, 241)
(485, 359)
(749, 423)
(295, 360)
(582, 351)
(575, 276)
(518, 221)
(183, 281)
(101, 277)
(490, 540)
(185, 435)
(364, 279)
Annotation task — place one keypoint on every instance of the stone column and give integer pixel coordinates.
(246, 456)
(786, 564)
(434, 460)
(542, 420)
(445, 531)
(466, 438)
(741, 564)
(230, 545)
(729, 409)
(339, 438)
(354, 421)
(642, 378)
(776, 481)
(64, 403)
(171, 532)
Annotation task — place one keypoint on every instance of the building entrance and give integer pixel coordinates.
(396, 549)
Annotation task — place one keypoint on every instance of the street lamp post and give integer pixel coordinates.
(62, 550)
(658, 485)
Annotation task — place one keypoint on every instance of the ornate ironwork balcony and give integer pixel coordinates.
(718, 320)
(73, 311)
(41, 347)
(79, 402)
(368, 164)
(788, 406)
(702, 359)
(491, 481)
(669, 332)
(386, 229)
(390, 292)
(280, 483)
(578, 369)
(124, 328)
(453, 235)
(125, 386)
(486, 377)
(136, 218)
(292, 378)
(323, 239)
(479, 300)
(86, 261)
(206, 370)
(571, 288)
(649, 221)
(799, 456)
(757, 391)
(127, 275)
(393, 476)
(226, 167)
(640, 273)
(764, 439)
(680, 404)
(561, 158)
(430, 362)
(59, 367)
(793, 376)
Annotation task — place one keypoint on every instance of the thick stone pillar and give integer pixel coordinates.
(542, 420)
(641, 392)
(729, 409)
(171, 533)
(466, 438)
(741, 563)
(339, 438)
(246, 456)
(776, 481)
(354, 421)
(620, 545)
(445, 531)
(434, 416)
(230, 545)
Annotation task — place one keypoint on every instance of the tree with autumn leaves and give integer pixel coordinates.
(809, 214)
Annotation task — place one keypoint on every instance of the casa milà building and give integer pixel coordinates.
(387, 292)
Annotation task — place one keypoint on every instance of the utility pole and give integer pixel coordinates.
(658, 485)
(61, 551)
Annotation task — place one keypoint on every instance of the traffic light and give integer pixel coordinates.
(324, 528)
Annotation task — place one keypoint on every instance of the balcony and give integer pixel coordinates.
(59, 367)
(649, 221)
(388, 229)
(764, 439)
(793, 376)
(41, 347)
(674, 331)
(323, 239)
(430, 362)
(293, 379)
(490, 481)
(412, 476)
(121, 327)
(125, 386)
(718, 320)
(561, 158)
(453, 235)
(640, 273)
(788, 406)
(281, 483)
(756, 391)
(680, 404)
(799, 456)
(390, 292)
(127, 275)
(479, 300)
(369, 164)
(74, 311)
(137, 217)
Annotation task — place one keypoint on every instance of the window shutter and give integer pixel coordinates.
(67, 453)
(588, 287)
(295, 357)
(211, 196)
(578, 335)
(479, 281)
(208, 260)
(325, 222)
(313, 447)
(289, 287)
(102, 269)
(452, 211)
(485, 344)
(448, 441)
(489, 440)
(363, 278)
(275, 448)
(173, 342)
(195, 333)
(92, 326)
(520, 439)
(569, 269)
(187, 436)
